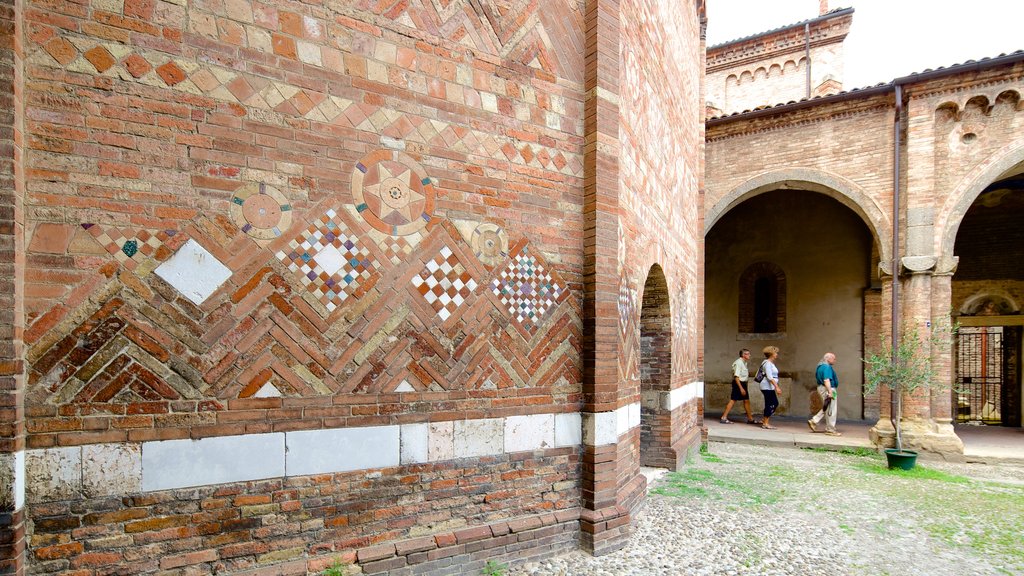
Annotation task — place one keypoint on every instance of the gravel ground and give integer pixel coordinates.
(783, 511)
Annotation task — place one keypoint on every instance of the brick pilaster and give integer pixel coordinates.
(12, 270)
(604, 523)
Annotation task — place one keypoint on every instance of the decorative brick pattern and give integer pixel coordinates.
(527, 290)
(444, 283)
(133, 247)
(330, 261)
(261, 211)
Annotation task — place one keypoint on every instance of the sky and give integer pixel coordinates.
(889, 38)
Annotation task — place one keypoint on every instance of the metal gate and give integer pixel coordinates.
(980, 373)
(988, 367)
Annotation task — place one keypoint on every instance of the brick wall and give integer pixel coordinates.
(258, 222)
(12, 270)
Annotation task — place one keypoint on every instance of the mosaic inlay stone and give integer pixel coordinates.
(261, 211)
(194, 272)
(527, 289)
(444, 283)
(330, 261)
(490, 244)
(131, 247)
(393, 193)
(627, 305)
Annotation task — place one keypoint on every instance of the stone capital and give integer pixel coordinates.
(919, 264)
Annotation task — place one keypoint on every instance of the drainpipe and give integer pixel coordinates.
(807, 55)
(894, 393)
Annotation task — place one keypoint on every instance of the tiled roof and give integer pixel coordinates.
(828, 14)
(928, 72)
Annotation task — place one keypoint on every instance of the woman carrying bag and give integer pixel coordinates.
(769, 382)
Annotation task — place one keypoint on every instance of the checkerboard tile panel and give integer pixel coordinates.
(444, 283)
(527, 290)
(396, 248)
(130, 247)
(329, 260)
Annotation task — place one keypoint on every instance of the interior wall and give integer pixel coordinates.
(825, 251)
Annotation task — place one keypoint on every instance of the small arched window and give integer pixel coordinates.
(762, 308)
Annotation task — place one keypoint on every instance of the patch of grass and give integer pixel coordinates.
(684, 484)
(858, 452)
(917, 472)
(707, 456)
(846, 528)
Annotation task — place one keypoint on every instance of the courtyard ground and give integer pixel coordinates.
(767, 510)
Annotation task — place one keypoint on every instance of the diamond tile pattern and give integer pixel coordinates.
(444, 283)
(527, 289)
(131, 246)
(329, 260)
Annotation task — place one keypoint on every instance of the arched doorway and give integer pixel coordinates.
(987, 289)
(656, 372)
(796, 269)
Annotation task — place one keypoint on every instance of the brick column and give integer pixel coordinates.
(12, 274)
(604, 520)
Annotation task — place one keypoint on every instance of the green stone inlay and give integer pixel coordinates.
(130, 248)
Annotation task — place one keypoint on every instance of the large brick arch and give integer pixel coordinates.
(967, 191)
(836, 187)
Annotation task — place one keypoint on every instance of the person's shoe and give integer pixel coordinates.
(725, 421)
(752, 421)
(833, 433)
(810, 424)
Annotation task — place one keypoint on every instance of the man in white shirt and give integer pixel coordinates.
(740, 375)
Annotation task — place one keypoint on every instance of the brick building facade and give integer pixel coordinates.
(786, 64)
(408, 284)
(950, 139)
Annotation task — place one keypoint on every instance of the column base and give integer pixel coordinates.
(931, 436)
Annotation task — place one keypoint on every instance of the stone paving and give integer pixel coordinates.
(752, 509)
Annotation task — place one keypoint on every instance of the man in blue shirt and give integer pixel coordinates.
(828, 384)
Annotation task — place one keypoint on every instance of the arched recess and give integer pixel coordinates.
(656, 371)
(1009, 161)
(840, 189)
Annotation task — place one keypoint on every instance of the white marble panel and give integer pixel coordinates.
(53, 474)
(342, 450)
(483, 437)
(111, 469)
(633, 411)
(599, 429)
(441, 441)
(182, 463)
(12, 480)
(414, 443)
(621, 420)
(684, 394)
(532, 432)
(194, 272)
(568, 429)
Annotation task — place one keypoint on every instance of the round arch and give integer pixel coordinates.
(967, 191)
(836, 187)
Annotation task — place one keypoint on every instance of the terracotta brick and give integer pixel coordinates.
(171, 73)
(136, 65)
(62, 50)
(100, 58)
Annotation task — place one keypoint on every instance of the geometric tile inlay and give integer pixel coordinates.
(395, 248)
(261, 211)
(392, 192)
(627, 305)
(329, 259)
(194, 272)
(527, 289)
(490, 244)
(130, 247)
(444, 283)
